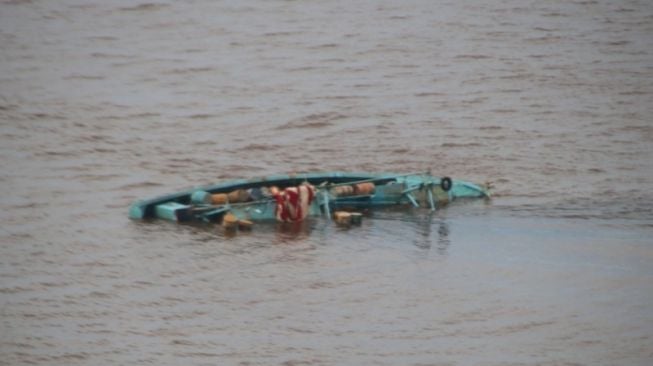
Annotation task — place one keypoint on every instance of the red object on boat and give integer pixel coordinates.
(293, 203)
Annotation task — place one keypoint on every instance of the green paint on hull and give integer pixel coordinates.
(391, 189)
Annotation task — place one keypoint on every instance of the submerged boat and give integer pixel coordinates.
(258, 199)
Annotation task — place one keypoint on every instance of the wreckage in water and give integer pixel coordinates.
(291, 198)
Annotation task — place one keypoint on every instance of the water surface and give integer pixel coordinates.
(103, 103)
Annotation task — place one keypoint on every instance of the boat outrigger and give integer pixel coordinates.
(261, 199)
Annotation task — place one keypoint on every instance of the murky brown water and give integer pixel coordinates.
(102, 103)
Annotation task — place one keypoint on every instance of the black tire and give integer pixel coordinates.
(445, 184)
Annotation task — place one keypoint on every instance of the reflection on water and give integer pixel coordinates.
(443, 237)
(295, 231)
(424, 226)
(394, 227)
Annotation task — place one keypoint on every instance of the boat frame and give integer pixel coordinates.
(414, 189)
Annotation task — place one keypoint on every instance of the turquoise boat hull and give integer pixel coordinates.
(418, 190)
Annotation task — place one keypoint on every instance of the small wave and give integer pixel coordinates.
(29, 205)
(518, 328)
(232, 171)
(182, 342)
(189, 70)
(140, 185)
(92, 138)
(430, 94)
(595, 170)
(455, 144)
(100, 295)
(305, 68)
(202, 116)
(472, 57)
(634, 93)
(84, 77)
(326, 150)
(324, 46)
(490, 128)
(145, 7)
(53, 153)
(14, 290)
(343, 97)
(280, 34)
(518, 76)
(399, 17)
(43, 115)
(102, 38)
(110, 55)
(318, 120)
(544, 40)
(96, 177)
(260, 147)
(555, 15)
(542, 29)
(17, 2)
(71, 357)
(608, 205)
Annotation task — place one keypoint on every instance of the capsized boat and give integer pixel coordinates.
(254, 199)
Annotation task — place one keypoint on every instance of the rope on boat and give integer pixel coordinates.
(389, 177)
(225, 202)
